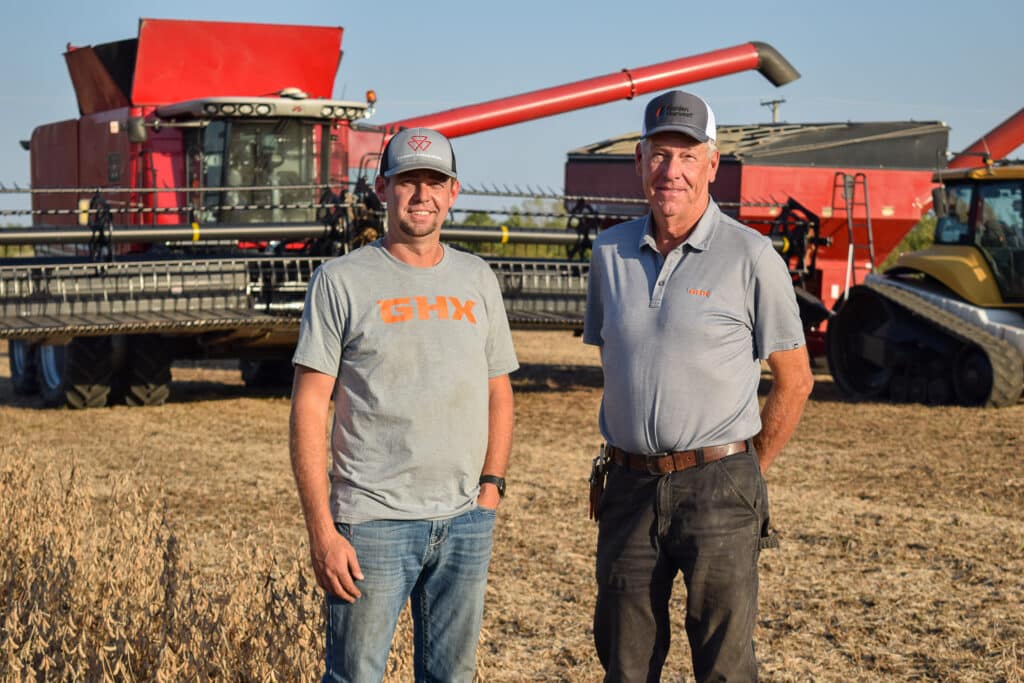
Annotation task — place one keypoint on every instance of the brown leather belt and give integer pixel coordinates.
(664, 463)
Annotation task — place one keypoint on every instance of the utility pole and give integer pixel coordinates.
(774, 104)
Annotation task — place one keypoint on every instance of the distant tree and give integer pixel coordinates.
(479, 219)
(921, 236)
(523, 215)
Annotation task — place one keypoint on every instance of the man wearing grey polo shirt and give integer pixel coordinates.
(684, 303)
(411, 340)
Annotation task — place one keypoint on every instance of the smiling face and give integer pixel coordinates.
(675, 172)
(418, 202)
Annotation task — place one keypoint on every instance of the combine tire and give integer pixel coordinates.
(77, 375)
(147, 372)
(22, 356)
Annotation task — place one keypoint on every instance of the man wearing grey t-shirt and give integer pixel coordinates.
(684, 303)
(410, 339)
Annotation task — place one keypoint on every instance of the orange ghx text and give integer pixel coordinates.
(699, 292)
(408, 308)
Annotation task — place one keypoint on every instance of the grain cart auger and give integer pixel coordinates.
(182, 214)
(944, 325)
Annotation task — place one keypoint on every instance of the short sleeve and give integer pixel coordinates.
(772, 306)
(593, 316)
(501, 355)
(321, 332)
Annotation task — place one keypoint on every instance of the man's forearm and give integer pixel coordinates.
(791, 385)
(308, 457)
(308, 448)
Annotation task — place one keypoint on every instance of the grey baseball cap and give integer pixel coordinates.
(418, 148)
(679, 112)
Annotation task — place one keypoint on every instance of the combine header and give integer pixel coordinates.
(209, 174)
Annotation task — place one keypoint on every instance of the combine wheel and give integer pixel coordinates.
(273, 373)
(147, 373)
(856, 347)
(972, 376)
(77, 375)
(22, 356)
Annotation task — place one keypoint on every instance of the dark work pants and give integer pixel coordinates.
(706, 522)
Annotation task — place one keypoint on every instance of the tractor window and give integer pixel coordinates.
(1000, 223)
(953, 227)
(999, 233)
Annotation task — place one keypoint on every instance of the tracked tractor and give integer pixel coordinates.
(944, 325)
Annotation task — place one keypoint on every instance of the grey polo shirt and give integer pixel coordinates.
(682, 335)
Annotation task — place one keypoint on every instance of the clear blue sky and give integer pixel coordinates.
(860, 61)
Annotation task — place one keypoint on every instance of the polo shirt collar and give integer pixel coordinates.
(699, 239)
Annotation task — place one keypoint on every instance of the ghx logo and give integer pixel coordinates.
(419, 143)
(408, 308)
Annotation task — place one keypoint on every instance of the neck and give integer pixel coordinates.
(426, 254)
(671, 231)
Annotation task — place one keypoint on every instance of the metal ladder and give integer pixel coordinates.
(850, 195)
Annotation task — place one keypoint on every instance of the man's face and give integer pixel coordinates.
(418, 201)
(675, 171)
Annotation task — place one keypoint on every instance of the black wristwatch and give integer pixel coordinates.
(496, 480)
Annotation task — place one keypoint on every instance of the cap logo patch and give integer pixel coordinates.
(676, 110)
(419, 143)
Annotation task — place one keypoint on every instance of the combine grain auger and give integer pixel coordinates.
(183, 213)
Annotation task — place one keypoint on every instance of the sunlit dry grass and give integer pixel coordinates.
(167, 543)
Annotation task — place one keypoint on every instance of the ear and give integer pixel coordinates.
(715, 158)
(379, 185)
(455, 190)
(638, 154)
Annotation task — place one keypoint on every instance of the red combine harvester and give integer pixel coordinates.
(837, 198)
(182, 214)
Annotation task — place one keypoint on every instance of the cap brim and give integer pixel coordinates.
(418, 167)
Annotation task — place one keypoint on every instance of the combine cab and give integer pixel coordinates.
(944, 325)
(183, 213)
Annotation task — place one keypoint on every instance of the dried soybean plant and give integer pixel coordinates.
(102, 588)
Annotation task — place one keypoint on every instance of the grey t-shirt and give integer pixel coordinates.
(681, 336)
(413, 349)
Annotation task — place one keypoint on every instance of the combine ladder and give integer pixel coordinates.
(850, 195)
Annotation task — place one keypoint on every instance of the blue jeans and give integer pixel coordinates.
(441, 565)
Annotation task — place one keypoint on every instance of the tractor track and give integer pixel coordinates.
(1007, 362)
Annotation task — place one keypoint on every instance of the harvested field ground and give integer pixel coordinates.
(902, 553)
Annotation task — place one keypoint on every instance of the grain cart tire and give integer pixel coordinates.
(77, 375)
(274, 374)
(22, 357)
(147, 372)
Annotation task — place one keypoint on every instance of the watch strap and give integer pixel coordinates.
(496, 480)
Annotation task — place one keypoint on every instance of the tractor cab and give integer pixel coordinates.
(983, 208)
